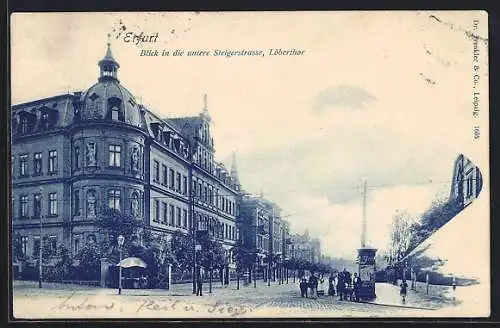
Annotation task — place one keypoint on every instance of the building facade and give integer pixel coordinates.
(265, 234)
(467, 181)
(75, 154)
(304, 247)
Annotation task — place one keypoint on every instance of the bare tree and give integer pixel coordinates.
(401, 235)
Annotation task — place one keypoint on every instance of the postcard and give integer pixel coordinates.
(250, 165)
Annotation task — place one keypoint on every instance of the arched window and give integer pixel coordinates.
(134, 204)
(114, 109)
(114, 113)
(91, 203)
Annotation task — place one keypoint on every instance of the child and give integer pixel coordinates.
(403, 290)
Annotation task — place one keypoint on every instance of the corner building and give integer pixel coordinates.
(74, 154)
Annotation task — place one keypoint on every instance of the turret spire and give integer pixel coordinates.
(204, 111)
(234, 170)
(108, 65)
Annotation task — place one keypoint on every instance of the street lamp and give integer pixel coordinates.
(121, 240)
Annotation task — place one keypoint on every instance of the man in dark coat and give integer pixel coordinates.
(341, 285)
(356, 286)
(199, 283)
(303, 287)
(348, 283)
(331, 286)
(313, 284)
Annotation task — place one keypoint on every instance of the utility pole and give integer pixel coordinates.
(363, 228)
(40, 254)
(193, 223)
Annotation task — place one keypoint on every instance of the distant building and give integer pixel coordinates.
(304, 247)
(265, 233)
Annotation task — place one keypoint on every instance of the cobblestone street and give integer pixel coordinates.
(224, 302)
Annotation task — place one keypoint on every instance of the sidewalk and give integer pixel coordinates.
(438, 297)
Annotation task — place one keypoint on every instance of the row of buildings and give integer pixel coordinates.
(75, 154)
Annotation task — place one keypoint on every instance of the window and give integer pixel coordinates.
(24, 245)
(53, 243)
(77, 245)
(114, 199)
(24, 125)
(184, 185)
(172, 215)
(37, 205)
(23, 166)
(53, 203)
(178, 211)
(156, 217)
(205, 193)
(76, 200)
(470, 186)
(165, 175)
(199, 191)
(156, 168)
(165, 213)
(77, 157)
(45, 120)
(115, 114)
(23, 211)
(52, 161)
(172, 177)
(184, 218)
(114, 155)
(36, 246)
(37, 163)
(178, 182)
(12, 165)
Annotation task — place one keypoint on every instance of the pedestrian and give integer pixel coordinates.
(303, 287)
(356, 286)
(331, 286)
(199, 283)
(321, 286)
(341, 285)
(402, 292)
(313, 285)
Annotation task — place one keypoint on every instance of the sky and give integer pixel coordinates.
(384, 97)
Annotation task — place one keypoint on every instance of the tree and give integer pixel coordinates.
(211, 255)
(157, 255)
(438, 214)
(61, 269)
(242, 258)
(400, 235)
(181, 246)
(114, 223)
(89, 261)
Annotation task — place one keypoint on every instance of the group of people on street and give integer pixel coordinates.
(340, 284)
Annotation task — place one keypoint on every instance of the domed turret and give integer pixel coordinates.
(108, 99)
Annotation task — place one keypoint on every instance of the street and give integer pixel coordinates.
(53, 301)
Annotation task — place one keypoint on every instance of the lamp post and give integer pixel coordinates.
(40, 257)
(121, 240)
(287, 263)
